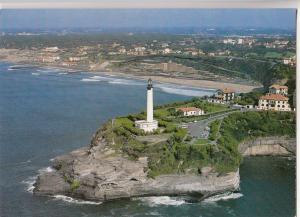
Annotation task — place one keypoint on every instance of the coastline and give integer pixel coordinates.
(106, 175)
(206, 84)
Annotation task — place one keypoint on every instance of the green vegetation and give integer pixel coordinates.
(75, 184)
(238, 127)
(179, 153)
(214, 130)
(250, 98)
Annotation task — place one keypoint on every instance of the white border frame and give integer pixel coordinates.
(152, 4)
(295, 4)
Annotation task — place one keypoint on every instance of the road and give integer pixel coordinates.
(200, 129)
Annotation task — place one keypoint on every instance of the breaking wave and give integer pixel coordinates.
(46, 170)
(162, 200)
(167, 88)
(125, 82)
(185, 91)
(29, 183)
(225, 196)
(76, 201)
(89, 80)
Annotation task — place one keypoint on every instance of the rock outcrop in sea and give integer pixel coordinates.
(99, 173)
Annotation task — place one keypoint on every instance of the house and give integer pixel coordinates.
(275, 102)
(229, 41)
(191, 111)
(50, 59)
(51, 49)
(225, 94)
(278, 89)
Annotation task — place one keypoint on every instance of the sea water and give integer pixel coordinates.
(45, 113)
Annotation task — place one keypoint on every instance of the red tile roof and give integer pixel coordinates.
(277, 87)
(188, 109)
(277, 97)
(227, 90)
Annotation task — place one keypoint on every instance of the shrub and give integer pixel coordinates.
(75, 184)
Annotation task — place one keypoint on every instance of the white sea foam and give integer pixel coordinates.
(46, 170)
(162, 200)
(76, 201)
(225, 196)
(125, 82)
(47, 70)
(29, 182)
(168, 88)
(89, 80)
(181, 90)
(35, 73)
(63, 73)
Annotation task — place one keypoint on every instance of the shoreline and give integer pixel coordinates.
(205, 84)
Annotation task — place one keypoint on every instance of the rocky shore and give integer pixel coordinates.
(99, 173)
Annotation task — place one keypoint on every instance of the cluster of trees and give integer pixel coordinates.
(238, 127)
(250, 98)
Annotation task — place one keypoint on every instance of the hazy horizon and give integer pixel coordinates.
(147, 18)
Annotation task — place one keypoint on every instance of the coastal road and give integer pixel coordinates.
(200, 129)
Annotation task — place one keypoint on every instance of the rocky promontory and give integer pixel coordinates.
(99, 173)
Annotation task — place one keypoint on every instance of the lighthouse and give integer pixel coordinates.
(148, 125)
(150, 101)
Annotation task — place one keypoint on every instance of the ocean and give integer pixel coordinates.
(47, 112)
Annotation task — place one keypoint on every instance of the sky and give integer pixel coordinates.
(147, 18)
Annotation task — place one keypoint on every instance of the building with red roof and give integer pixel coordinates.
(275, 102)
(278, 89)
(191, 111)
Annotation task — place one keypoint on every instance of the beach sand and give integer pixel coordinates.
(16, 56)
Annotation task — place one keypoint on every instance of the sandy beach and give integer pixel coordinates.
(240, 88)
(15, 56)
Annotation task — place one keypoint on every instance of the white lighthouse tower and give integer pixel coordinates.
(148, 125)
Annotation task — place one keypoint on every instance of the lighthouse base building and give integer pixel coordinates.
(148, 125)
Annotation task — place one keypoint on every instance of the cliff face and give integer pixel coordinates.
(268, 146)
(99, 173)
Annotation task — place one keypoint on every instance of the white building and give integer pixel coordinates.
(240, 41)
(278, 89)
(229, 41)
(50, 59)
(51, 49)
(275, 102)
(150, 124)
(191, 111)
(222, 96)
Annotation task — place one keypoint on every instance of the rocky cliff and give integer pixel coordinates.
(99, 173)
(268, 146)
